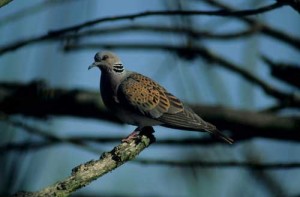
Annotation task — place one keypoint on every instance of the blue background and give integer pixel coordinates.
(193, 81)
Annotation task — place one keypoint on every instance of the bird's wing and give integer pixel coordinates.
(188, 120)
(143, 95)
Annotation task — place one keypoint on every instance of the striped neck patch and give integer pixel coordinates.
(118, 68)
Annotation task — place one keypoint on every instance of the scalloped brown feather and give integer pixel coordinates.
(138, 100)
(151, 99)
(138, 92)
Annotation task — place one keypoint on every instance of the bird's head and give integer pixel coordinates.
(107, 61)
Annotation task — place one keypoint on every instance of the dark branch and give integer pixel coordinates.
(194, 33)
(230, 164)
(275, 108)
(164, 29)
(37, 100)
(83, 140)
(246, 124)
(293, 99)
(51, 139)
(171, 13)
(57, 34)
(265, 29)
(41, 101)
(287, 72)
(293, 3)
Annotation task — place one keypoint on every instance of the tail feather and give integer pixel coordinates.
(212, 129)
(188, 120)
(220, 135)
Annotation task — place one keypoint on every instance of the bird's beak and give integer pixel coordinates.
(93, 65)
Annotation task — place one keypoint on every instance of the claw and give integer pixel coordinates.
(132, 135)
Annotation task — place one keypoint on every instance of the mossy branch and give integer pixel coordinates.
(4, 2)
(84, 174)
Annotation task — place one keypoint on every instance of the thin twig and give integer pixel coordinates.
(295, 4)
(55, 34)
(284, 71)
(171, 13)
(228, 164)
(164, 29)
(274, 108)
(36, 145)
(265, 29)
(292, 98)
(47, 135)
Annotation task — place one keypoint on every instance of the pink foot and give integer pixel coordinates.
(131, 136)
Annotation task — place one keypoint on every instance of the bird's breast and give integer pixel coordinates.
(134, 119)
(108, 88)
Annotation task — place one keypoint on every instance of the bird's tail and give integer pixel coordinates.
(188, 120)
(220, 135)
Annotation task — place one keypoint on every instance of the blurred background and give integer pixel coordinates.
(240, 73)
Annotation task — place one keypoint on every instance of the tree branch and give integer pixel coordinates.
(286, 72)
(67, 36)
(293, 3)
(41, 101)
(275, 108)
(195, 33)
(37, 100)
(48, 135)
(229, 164)
(293, 99)
(248, 124)
(222, 12)
(265, 29)
(56, 34)
(4, 2)
(84, 174)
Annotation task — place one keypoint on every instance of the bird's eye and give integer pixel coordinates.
(104, 57)
(97, 58)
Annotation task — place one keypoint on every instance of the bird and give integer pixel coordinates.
(138, 100)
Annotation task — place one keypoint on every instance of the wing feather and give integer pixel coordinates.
(143, 95)
(189, 120)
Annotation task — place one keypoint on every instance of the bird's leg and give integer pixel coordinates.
(133, 135)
